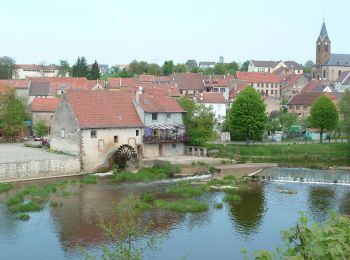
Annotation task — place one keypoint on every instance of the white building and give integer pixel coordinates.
(24, 71)
(215, 101)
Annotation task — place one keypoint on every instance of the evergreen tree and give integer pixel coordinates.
(80, 68)
(247, 117)
(7, 67)
(64, 68)
(168, 67)
(94, 72)
(324, 115)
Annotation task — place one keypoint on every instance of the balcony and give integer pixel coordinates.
(165, 139)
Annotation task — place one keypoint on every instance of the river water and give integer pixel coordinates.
(254, 223)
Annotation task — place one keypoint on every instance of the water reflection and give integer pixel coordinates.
(248, 213)
(321, 200)
(344, 206)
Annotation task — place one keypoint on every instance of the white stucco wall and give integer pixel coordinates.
(96, 151)
(169, 149)
(218, 109)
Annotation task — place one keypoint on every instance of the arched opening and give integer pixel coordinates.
(122, 155)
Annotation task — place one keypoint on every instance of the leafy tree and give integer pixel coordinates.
(153, 69)
(221, 59)
(80, 68)
(123, 229)
(247, 117)
(345, 112)
(245, 65)
(64, 68)
(94, 73)
(7, 67)
(219, 69)
(324, 115)
(179, 68)
(168, 67)
(191, 64)
(199, 121)
(286, 119)
(308, 66)
(40, 128)
(12, 115)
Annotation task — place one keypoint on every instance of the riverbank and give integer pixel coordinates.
(301, 155)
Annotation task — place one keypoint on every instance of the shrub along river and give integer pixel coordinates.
(68, 223)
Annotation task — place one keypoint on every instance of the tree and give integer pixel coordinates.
(64, 68)
(7, 67)
(123, 229)
(221, 59)
(219, 69)
(308, 66)
(247, 117)
(94, 72)
(199, 121)
(168, 67)
(245, 65)
(344, 108)
(80, 68)
(40, 128)
(180, 68)
(191, 64)
(324, 115)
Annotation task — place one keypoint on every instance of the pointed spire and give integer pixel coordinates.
(323, 33)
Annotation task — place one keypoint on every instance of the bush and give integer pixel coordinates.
(23, 217)
(211, 169)
(147, 197)
(115, 168)
(89, 179)
(5, 187)
(168, 168)
(232, 198)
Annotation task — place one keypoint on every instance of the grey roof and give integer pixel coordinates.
(39, 89)
(338, 60)
(323, 32)
(321, 88)
(343, 76)
(264, 63)
(293, 65)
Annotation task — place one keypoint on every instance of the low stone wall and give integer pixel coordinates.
(38, 169)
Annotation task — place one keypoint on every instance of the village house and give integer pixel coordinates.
(215, 101)
(262, 66)
(206, 65)
(44, 109)
(94, 124)
(266, 84)
(21, 87)
(218, 83)
(164, 132)
(343, 82)
(293, 85)
(290, 66)
(188, 83)
(24, 71)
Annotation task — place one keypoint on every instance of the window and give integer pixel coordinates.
(154, 116)
(168, 115)
(222, 90)
(115, 138)
(291, 107)
(305, 107)
(137, 132)
(297, 107)
(324, 74)
(62, 133)
(271, 92)
(93, 134)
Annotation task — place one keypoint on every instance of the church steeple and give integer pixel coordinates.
(323, 33)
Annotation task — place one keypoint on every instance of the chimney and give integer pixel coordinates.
(138, 93)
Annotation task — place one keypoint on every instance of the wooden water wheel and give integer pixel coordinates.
(123, 154)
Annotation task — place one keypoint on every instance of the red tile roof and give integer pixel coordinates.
(117, 83)
(210, 97)
(146, 78)
(15, 83)
(217, 80)
(188, 81)
(291, 80)
(45, 104)
(306, 99)
(312, 85)
(257, 77)
(159, 103)
(237, 89)
(103, 109)
(37, 67)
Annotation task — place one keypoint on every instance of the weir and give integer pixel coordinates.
(331, 176)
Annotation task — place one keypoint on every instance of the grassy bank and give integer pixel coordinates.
(300, 155)
(5, 187)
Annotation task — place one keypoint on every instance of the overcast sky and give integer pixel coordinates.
(116, 32)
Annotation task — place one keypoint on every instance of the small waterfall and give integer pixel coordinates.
(305, 175)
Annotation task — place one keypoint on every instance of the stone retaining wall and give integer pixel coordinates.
(38, 169)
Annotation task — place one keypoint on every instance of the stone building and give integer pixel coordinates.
(44, 109)
(94, 124)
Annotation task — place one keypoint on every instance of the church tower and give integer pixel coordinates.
(323, 49)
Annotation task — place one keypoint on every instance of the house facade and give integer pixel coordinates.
(164, 132)
(293, 85)
(343, 82)
(93, 125)
(215, 101)
(44, 109)
(262, 66)
(24, 71)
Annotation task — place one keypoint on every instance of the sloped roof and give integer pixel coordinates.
(293, 65)
(15, 83)
(338, 60)
(265, 63)
(306, 99)
(45, 104)
(210, 97)
(159, 103)
(188, 81)
(257, 77)
(312, 85)
(121, 82)
(37, 67)
(39, 89)
(292, 80)
(343, 76)
(237, 89)
(103, 109)
(217, 80)
(323, 32)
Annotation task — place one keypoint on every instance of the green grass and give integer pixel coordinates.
(187, 190)
(66, 194)
(89, 179)
(185, 205)
(308, 155)
(218, 205)
(31, 206)
(228, 180)
(23, 217)
(5, 187)
(232, 198)
(147, 198)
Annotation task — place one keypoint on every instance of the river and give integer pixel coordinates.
(254, 223)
